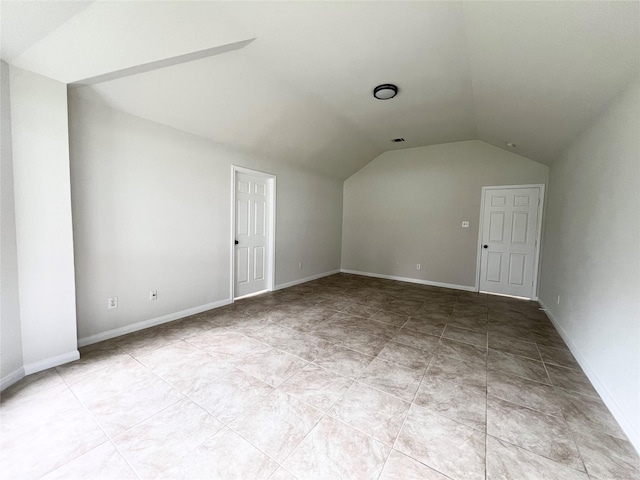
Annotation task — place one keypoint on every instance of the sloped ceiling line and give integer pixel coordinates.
(531, 73)
(163, 63)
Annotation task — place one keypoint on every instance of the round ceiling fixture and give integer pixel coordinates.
(385, 91)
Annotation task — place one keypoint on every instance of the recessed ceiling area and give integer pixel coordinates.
(532, 74)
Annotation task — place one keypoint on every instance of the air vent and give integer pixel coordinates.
(397, 140)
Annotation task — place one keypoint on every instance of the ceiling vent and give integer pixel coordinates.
(397, 140)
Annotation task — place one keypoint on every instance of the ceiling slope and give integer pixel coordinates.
(543, 70)
(531, 73)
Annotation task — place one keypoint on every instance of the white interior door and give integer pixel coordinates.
(252, 234)
(509, 240)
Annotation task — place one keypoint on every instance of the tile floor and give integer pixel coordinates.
(345, 377)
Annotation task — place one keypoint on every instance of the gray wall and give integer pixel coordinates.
(592, 255)
(40, 148)
(407, 206)
(152, 210)
(10, 331)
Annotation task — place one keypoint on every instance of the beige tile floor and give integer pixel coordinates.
(345, 377)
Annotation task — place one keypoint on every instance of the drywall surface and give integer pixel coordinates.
(10, 331)
(152, 211)
(591, 255)
(407, 206)
(43, 219)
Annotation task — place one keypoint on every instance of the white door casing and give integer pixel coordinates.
(253, 232)
(509, 239)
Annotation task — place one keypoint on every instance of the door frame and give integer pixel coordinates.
(271, 227)
(536, 258)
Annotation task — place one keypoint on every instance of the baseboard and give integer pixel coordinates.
(12, 378)
(627, 426)
(116, 332)
(412, 280)
(51, 362)
(305, 280)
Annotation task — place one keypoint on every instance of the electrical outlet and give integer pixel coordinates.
(112, 302)
(153, 295)
(300, 266)
(465, 224)
(418, 266)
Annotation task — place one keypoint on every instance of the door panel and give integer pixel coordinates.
(242, 265)
(494, 266)
(519, 228)
(252, 233)
(509, 233)
(258, 263)
(496, 227)
(517, 269)
(242, 218)
(260, 216)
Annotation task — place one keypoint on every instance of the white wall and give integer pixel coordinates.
(10, 332)
(407, 206)
(43, 219)
(152, 210)
(592, 255)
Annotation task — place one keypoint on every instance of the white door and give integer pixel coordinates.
(509, 240)
(252, 232)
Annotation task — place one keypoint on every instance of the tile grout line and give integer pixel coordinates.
(486, 405)
(573, 435)
(406, 416)
(109, 438)
(538, 454)
(184, 396)
(358, 378)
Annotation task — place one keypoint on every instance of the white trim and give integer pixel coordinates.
(272, 226)
(412, 280)
(249, 295)
(505, 295)
(12, 378)
(536, 260)
(50, 362)
(305, 280)
(116, 332)
(629, 428)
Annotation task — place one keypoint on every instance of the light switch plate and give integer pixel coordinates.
(465, 224)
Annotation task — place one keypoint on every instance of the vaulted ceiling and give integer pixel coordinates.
(531, 73)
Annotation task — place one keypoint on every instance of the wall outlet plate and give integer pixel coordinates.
(112, 302)
(465, 224)
(153, 295)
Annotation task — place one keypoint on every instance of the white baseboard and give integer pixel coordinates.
(51, 362)
(116, 332)
(412, 280)
(12, 378)
(627, 426)
(305, 280)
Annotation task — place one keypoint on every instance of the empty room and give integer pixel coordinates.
(320, 240)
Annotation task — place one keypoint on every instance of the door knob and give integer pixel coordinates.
(484, 246)
(237, 242)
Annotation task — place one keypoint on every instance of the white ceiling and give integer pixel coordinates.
(531, 73)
